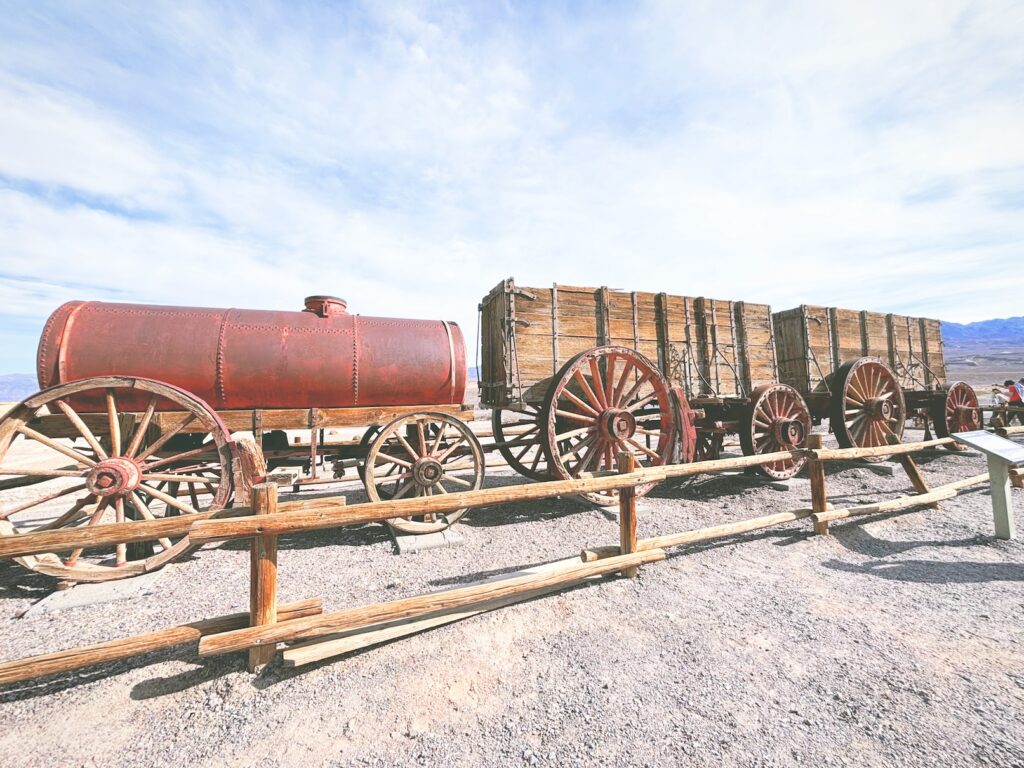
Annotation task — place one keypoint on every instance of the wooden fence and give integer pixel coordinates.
(314, 635)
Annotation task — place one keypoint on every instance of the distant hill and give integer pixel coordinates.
(17, 386)
(1006, 329)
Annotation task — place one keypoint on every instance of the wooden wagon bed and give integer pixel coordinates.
(814, 341)
(714, 349)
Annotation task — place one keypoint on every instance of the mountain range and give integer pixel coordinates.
(1002, 330)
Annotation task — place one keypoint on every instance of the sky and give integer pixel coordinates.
(408, 156)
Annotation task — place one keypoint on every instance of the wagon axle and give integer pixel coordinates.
(616, 424)
(789, 432)
(115, 476)
(878, 409)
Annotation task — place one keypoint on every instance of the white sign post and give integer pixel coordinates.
(1002, 455)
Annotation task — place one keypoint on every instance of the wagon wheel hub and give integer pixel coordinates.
(789, 432)
(114, 476)
(879, 408)
(427, 471)
(616, 424)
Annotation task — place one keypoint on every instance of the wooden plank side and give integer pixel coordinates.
(756, 341)
(719, 350)
(904, 351)
(679, 340)
(791, 348)
(934, 354)
(847, 335)
(819, 347)
(875, 335)
(494, 355)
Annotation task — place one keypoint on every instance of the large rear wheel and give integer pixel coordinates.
(604, 401)
(87, 453)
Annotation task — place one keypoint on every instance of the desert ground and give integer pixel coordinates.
(984, 366)
(896, 640)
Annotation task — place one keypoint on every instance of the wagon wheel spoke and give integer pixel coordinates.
(166, 437)
(140, 430)
(121, 549)
(52, 444)
(609, 379)
(584, 407)
(450, 449)
(457, 481)
(93, 520)
(82, 427)
(597, 382)
(178, 457)
(71, 516)
(588, 392)
(421, 434)
(52, 495)
(170, 500)
(113, 423)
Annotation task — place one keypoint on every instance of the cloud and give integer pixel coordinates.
(408, 156)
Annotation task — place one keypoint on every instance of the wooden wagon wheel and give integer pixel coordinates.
(603, 401)
(867, 405)
(955, 409)
(777, 419)
(74, 467)
(523, 450)
(425, 454)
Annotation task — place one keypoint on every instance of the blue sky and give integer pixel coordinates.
(408, 156)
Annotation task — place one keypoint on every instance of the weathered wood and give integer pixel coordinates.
(913, 471)
(835, 454)
(353, 640)
(940, 493)
(263, 575)
(816, 473)
(701, 534)
(249, 467)
(317, 514)
(62, 540)
(627, 513)
(421, 605)
(29, 668)
(242, 420)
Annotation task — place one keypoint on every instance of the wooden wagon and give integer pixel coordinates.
(587, 372)
(868, 372)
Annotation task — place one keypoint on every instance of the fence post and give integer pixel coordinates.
(263, 575)
(816, 472)
(913, 471)
(627, 513)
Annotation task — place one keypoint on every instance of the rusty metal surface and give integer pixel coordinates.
(242, 358)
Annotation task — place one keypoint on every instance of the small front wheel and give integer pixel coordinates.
(426, 454)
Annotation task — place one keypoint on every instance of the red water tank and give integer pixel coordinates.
(320, 357)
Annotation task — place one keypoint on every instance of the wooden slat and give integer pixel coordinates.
(20, 670)
(420, 605)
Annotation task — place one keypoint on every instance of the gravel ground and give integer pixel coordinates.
(894, 641)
